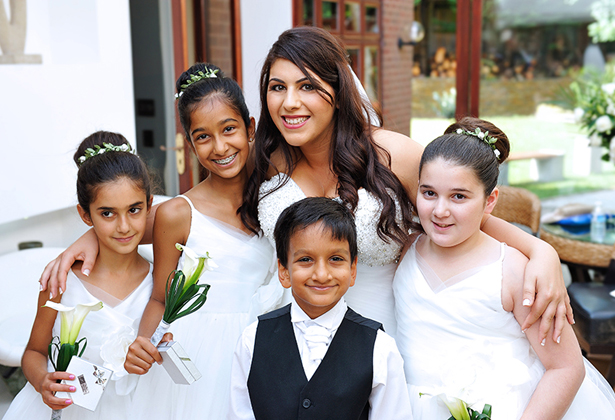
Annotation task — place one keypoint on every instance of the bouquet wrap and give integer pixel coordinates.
(161, 329)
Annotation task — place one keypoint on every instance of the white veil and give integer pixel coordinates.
(373, 116)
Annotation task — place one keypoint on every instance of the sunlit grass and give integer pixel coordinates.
(569, 186)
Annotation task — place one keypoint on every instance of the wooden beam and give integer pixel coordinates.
(463, 58)
(200, 31)
(475, 55)
(236, 34)
(180, 64)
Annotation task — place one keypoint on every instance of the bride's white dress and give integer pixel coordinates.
(209, 335)
(372, 294)
(456, 338)
(109, 332)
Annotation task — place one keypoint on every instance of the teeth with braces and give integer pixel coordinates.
(294, 121)
(225, 160)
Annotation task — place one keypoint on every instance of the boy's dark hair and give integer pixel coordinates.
(335, 217)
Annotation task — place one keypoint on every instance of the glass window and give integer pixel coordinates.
(352, 17)
(353, 54)
(329, 15)
(370, 66)
(308, 12)
(371, 19)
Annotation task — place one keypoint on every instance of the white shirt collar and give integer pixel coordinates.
(330, 319)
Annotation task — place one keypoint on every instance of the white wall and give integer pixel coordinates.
(58, 228)
(84, 84)
(262, 22)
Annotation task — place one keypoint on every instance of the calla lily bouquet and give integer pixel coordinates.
(460, 410)
(183, 294)
(63, 348)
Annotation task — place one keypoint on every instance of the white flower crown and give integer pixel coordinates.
(107, 147)
(200, 75)
(482, 136)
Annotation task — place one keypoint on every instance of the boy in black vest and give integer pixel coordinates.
(316, 358)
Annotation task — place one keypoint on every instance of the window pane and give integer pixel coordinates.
(370, 78)
(371, 19)
(352, 17)
(329, 15)
(308, 12)
(353, 54)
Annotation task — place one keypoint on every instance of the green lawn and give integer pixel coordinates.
(533, 133)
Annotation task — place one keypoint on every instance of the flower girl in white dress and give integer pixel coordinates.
(459, 301)
(219, 130)
(113, 190)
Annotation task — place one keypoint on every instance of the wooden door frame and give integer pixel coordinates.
(469, 34)
(180, 63)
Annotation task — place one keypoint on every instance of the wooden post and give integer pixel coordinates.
(236, 30)
(475, 55)
(180, 63)
(463, 58)
(469, 33)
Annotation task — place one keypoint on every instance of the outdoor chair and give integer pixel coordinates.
(594, 314)
(518, 206)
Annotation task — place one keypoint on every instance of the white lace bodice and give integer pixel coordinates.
(373, 251)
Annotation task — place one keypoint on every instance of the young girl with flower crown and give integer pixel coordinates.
(219, 130)
(459, 301)
(113, 190)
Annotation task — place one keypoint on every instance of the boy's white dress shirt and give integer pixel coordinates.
(389, 397)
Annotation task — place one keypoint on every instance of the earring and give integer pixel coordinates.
(251, 139)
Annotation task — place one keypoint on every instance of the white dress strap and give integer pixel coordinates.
(188, 200)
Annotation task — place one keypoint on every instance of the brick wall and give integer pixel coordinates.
(219, 35)
(396, 66)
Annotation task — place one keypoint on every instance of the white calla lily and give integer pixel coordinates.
(72, 318)
(457, 407)
(194, 265)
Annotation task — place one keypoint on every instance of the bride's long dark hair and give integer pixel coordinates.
(355, 158)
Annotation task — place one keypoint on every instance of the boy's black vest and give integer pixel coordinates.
(340, 387)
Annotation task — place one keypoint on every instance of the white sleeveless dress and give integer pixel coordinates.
(456, 338)
(372, 294)
(109, 332)
(209, 335)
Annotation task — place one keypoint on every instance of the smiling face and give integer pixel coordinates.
(451, 203)
(297, 108)
(320, 269)
(219, 138)
(118, 214)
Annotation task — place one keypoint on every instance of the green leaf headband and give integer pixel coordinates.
(200, 75)
(107, 147)
(484, 137)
